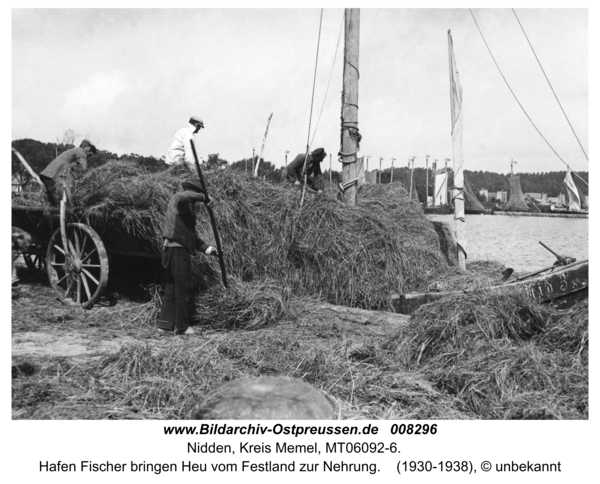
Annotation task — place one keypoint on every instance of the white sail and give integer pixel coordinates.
(456, 99)
(440, 185)
(574, 201)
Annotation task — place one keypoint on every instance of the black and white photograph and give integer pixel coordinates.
(361, 216)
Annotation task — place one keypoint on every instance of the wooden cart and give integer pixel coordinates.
(65, 245)
(72, 252)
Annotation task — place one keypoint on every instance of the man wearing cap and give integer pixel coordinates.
(180, 243)
(313, 169)
(180, 150)
(66, 159)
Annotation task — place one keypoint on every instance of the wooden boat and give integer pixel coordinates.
(560, 285)
(485, 211)
(439, 210)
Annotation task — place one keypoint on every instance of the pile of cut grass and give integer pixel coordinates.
(477, 358)
(501, 356)
(354, 256)
(243, 305)
(153, 377)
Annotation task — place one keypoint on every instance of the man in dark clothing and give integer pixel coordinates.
(180, 243)
(313, 169)
(52, 172)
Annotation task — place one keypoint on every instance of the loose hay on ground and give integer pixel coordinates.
(501, 356)
(243, 305)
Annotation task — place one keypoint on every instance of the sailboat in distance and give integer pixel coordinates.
(573, 199)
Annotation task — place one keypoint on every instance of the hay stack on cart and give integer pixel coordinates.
(355, 256)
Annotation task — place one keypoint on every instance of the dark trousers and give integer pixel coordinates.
(176, 304)
(52, 190)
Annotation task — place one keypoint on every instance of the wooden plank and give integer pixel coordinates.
(361, 316)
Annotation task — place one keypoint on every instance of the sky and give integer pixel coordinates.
(128, 79)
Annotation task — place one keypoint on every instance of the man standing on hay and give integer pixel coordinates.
(180, 151)
(315, 180)
(180, 243)
(66, 159)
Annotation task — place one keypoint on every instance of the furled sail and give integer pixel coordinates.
(471, 201)
(457, 151)
(574, 200)
(516, 200)
(585, 203)
(440, 185)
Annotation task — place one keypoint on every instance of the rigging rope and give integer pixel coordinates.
(518, 102)
(328, 82)
(544, 72)
(304, 170)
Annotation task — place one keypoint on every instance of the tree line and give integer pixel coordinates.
(39, 155)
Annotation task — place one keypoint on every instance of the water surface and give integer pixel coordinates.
(514, 240)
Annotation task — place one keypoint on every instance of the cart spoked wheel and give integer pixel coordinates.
(81, 272)
(35, 262)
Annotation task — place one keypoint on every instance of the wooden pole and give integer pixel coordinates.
(252, 160)
(411, 176)
(350, 132)
(27, 167)
(392, 174)
(426, 180)
(211, 214)
(329, 167)
(380, 160)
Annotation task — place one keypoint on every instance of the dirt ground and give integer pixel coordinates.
(109, 361)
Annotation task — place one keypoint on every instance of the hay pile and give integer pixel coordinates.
(500, 356)
(352, 256)
(244, 305)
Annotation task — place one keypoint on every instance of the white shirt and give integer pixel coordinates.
(180, 150)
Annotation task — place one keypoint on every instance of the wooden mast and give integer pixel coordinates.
(412, 170)
(350, 133)
(263, 146)
(458, 160)
(426, 181)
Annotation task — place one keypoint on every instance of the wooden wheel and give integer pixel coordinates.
(82, 272)
(35, 262)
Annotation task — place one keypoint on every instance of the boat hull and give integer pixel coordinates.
(439, 210)
(487, 211)
(561, 286)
